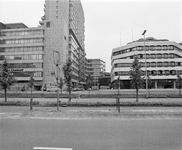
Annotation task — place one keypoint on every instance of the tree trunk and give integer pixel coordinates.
(5, 94)
(89, 91)
(136, 95)
(31, 100)
(180, 92)
(69, 96)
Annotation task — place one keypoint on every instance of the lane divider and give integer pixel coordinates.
(51, 148)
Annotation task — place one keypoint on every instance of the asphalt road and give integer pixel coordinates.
(91, 134)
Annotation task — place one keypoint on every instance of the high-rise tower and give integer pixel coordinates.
(63, 23)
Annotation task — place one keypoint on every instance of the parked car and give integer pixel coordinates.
(52, 89)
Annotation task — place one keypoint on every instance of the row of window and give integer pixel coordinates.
(26, 65)
(21, 57)
(154, 56)
(22, 33)
(140, 48)
(151, 64)
(22, 49)
(22, 41)
(27, 74)
(153, 72)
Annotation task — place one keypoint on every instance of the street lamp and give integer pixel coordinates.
(146, 77)
(57, 63)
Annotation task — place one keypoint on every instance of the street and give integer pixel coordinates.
(91, 134)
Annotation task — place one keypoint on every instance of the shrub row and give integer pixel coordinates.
(91, 104)
(18, 103)
(53, 95)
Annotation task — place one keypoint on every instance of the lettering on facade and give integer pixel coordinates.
(16, 70)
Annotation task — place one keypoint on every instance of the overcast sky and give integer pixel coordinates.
(109, 23)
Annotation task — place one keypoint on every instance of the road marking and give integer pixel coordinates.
(51, 148)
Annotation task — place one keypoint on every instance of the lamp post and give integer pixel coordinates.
(57, 67)
(146, 77)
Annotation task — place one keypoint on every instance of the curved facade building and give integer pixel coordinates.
(163, 59)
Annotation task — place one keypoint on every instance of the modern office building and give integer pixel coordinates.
(96, 69)
(163, 59)
(45, 49)
(63, 23)
(23, 48)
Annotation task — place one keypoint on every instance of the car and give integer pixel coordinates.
(52, 89)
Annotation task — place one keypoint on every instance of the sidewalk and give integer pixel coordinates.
(95, 100)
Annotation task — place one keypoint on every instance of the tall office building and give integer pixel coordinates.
(163, 59)
(64, 38)
(63, 24)
(60, 36)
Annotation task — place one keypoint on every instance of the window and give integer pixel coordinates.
(171, 47)
(146, 48)
(17, 57)
(1, 57)
(178, 64)
(140, 56)
(140, 48)
(148, 64)
(179, 72)
(171, 55)
(142, 64)
(165, 64)
(153, 72)
(147, 56)
(158, 47)
(152, 48)
(165, 47)
(172, 64)
(152, 56)
(159, 56)
(153, 64)
(48, 24)
(159, 64)
(165, 55)
(166, 72)
(159, 72)
(173, 72)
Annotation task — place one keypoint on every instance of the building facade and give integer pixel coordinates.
(96, 69)
(23, 48)
(45, 49)
(63, 23)
(163, 60)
